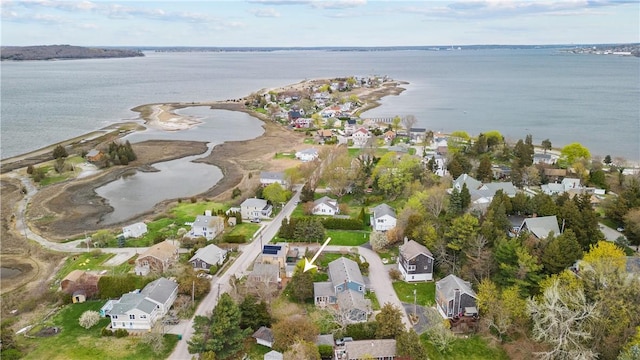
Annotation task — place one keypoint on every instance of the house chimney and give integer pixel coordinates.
(405, 240)
(207, 212)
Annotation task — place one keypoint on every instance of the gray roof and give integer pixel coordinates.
(211, 254)
(351, 299)
(343, 269)
(506, 187)
(412, 249)
(272, 175)
(383, 209)
(205, 220)
(333, 203)
(450, 283)
(472, 183)
(380, 348)
(264, 333)
(541, 226)
(324, 288)
(132, 301)
(255, 203)
(267, 271)
(273, 355)
(326, 339)
(160, 290)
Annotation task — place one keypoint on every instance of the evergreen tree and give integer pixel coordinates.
(409, 345)
(307, 193)
(301, 285)
(561, 252)
(455, 203)
(484, 172)
(254, 314)
(59, 152)
(221, 332)
(465, 197)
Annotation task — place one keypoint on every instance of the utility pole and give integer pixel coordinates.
(415, 306)
(193, 292)
(218, 291)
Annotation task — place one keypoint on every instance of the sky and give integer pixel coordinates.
(309, 23)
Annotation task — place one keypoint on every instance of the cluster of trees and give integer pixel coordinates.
(120, 154)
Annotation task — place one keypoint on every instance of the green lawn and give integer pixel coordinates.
(75, 342)
(84, 261)
(246, 228)
(187, 211)
(388, 254)
(375, 305)
(425, 295)
(472, 348)
(254, 350)
(287, 155)
(348, 237)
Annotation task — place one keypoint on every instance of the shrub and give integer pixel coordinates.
(341, 224)
(106, 332)
(326, 351)
(213, 269)
(235, 239)
(236, 192)
(193, 199)
(395, 274)
(120, 333)
(89, 318)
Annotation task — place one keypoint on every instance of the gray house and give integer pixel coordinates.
(540, 227)
(383, 218)
(455, 297)
(415, 262)
(344, 291)
(208, 256)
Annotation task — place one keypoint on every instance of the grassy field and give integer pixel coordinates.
(76, 342)
(246, 228)
(84, 261)
(375, 304)
(348, 237)
(472, 348)
(425, 296)
(388, 254)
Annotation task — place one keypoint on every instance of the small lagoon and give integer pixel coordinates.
(138, 192)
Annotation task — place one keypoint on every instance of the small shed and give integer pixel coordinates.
(79, 297)
(264, 336)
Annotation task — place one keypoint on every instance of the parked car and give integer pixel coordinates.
(255, 220)
(340, 342)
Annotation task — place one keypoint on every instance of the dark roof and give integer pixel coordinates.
(264, 333)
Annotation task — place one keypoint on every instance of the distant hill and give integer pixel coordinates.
(60, 52)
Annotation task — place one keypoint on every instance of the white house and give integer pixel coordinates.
(360, 137)
(254, 208)
(208, 256)
(272, 177)
(307, 154)
(139, 311)
(383, 218)
(207, 226)
(134, 230)
(325, 206)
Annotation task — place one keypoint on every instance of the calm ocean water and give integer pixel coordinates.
(594, 100)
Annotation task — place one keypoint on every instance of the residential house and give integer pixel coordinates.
(208, 256)
(325, 206)
(158, 258)
(134, 230)
(547, 159)
(455, 297)
(140, 310)
(254, 208)
(264, 336)
(482, 194)
(268, 273)
(307, 155)
(555, 174)
(415, 262)
(540, 227)
(566, 185)
(465, 179)
(383, 218)
(273, 355)
(273, 177)
(80, 281)
(345, 290)
(417, 135)
(376, 349)
(275, 254)
(94, 155)
(350, 127)
(207, 226)
(360, 137)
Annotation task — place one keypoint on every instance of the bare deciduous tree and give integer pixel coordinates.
(409, 121)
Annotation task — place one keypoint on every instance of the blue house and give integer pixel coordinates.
(344, 291)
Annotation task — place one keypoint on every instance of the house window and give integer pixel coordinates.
(143, 316)
(114, 316)
(132, 317)
(359, 288)
(411, 267)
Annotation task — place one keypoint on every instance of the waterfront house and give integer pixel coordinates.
(158, 258)
(307, 155)
(383, 218)
(140, 310)
(455, 297)
(273, 177)
(134, 230)
(207, 226)
(360, 137)
(254, 208)
(208, 256)
(415, 262)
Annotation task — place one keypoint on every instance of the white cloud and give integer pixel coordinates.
(268, 12)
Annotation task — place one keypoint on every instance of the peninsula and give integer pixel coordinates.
(62, 52)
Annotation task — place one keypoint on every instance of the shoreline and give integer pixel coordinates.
(74, 208)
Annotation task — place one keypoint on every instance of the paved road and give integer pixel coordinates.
(220, 285)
